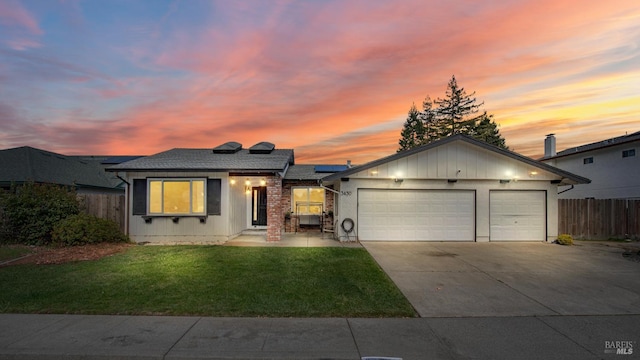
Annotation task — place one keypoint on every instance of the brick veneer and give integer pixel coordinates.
(290, 225)
(275, 219)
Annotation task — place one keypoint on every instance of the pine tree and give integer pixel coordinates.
(455, 110)
(412, 133)
(430, 121)
(487, 130)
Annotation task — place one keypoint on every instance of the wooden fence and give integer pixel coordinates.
(111, 207)
(599, 219)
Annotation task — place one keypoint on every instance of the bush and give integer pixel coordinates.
(565, 239)
(84, 229)
(31, 210)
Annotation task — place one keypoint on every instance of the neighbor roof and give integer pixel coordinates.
(459, 137)
(24, 164)
(206, 159)
(312, 172)
(598, 145)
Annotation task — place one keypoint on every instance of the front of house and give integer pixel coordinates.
(456, 189)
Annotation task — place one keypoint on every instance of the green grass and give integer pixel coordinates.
(209, 281)
(13, 252)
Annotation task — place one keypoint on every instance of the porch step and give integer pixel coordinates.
(254, 232)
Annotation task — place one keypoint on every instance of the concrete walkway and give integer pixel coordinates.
(152, 337)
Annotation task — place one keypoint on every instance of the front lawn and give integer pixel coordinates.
(209, 281)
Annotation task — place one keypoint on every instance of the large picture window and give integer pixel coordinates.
(307, 200)
(176, 196)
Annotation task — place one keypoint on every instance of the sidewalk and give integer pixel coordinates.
(24, 336)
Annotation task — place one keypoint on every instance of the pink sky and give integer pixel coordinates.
(331, 79)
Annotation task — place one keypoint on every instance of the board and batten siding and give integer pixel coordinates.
(473, 168)
(187, 229)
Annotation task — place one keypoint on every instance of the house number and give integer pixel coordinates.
(345, 193)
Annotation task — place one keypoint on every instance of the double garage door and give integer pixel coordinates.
(448, 215)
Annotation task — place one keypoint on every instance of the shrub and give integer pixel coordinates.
(565, 239)
(84, 229)
(31, 210)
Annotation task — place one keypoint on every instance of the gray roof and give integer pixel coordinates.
(460, 137)
(598, 145)
(24, 164)
(207, 160)
(309, 172)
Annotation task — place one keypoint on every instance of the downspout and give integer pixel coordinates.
(565, 190)
(127, 193)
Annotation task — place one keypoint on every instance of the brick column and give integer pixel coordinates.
(274, 208)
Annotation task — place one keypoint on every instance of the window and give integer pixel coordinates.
(629, 153)
(176, 197)
(588, 160)
(307, 200)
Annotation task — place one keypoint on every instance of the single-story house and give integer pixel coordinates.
(613, 165)
(87, 175)
(456, 189)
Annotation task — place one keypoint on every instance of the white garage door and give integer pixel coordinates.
(416, 215)
(517, 215)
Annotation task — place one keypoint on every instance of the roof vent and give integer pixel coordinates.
(262, 148)
(231, 147)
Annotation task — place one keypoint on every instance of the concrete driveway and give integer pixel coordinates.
(510, 279)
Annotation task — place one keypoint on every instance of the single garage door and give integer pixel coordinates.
(416, 215)
(517, 215)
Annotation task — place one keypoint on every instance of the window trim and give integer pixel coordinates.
(190, 213)
(308, 188)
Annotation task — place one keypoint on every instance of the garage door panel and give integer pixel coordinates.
(416, 215)
(517, 215)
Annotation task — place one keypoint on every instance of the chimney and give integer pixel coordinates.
(348, 163)
(550, 146)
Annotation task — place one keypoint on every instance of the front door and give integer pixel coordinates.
(259, 208)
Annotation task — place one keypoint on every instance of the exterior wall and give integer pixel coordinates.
(348, 202)
(238, 210)
(611, 175)
(274, 208)
(217, 228)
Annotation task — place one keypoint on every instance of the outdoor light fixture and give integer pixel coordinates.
(233, 181)
(263, 182)
(398, 180)
(451, 181)
(505, 181)
(247, 182)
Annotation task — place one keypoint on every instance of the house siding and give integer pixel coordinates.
(188, 229)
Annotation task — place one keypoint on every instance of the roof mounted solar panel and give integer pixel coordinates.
(330, 168)
(262, 148)
(230, 147)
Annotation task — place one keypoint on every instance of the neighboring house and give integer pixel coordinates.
(455, 189)
(26, 164)
(613, 165)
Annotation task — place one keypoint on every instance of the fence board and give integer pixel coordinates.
(105, 206)
(599, 219)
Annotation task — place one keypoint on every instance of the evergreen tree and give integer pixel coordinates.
(455, 110)
(487, 130)
(412, 133)
(430, 121)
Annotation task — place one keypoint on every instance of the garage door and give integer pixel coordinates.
(517, 215)
(416, 215)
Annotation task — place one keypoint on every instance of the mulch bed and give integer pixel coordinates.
(41, 255)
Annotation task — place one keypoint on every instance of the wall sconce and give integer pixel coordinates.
(451, 181)
(247, 189)
(247, 182)
(505, 181)
(232, 181)
(263, 182)
(398, 180)
(533, 173)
